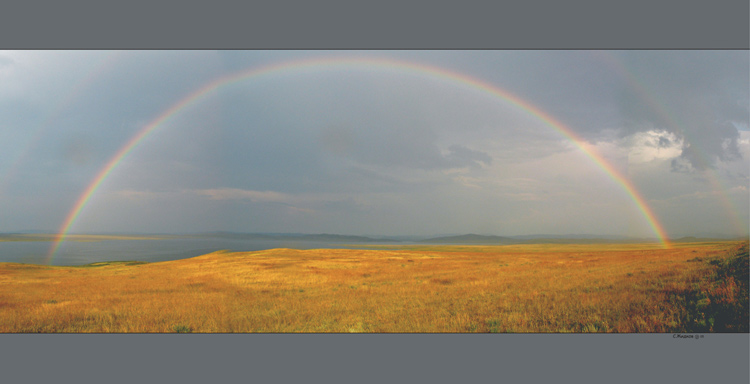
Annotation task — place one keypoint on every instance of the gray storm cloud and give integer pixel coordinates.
(697, 95)
(372, 149)
(411, 147)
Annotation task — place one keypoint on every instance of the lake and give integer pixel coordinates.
(80, 252)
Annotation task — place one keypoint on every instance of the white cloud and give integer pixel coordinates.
(744, 140)
(652, 145)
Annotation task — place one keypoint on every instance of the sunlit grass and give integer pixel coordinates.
(516, 288)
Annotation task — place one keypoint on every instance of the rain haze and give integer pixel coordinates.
(376, 143)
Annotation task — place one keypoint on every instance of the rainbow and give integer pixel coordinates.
(673, 122)
(417, 69)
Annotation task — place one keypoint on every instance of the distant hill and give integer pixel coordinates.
(693, 239)
(570, 237)
(532, 239)
(470, 239)
(344, 238)
(294, 237)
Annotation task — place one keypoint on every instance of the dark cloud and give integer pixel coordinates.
(693, 94)
(664, 142)
(414, 148)
(722, 146)
(697, 95)
(359, 149)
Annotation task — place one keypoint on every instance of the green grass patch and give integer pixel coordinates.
(181, 328)
(719, 304)
(111, 263)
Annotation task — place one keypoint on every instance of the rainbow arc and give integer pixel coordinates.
(364, 64)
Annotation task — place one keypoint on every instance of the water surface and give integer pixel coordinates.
(86, 252)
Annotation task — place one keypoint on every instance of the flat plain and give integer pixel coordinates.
(542, 288)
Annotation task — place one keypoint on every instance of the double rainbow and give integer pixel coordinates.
(357, 63)
(674, 124)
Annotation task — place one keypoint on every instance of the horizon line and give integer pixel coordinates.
(566, 235)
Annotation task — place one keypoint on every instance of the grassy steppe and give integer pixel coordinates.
(693, 287)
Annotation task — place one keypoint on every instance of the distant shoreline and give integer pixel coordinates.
(469, 239)
(52, 237)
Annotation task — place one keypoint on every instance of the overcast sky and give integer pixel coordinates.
(377, 150)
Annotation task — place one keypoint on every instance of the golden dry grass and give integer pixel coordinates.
(519, 288)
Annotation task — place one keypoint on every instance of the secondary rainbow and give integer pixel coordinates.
(357, 63)
(671, 120)
(9, 169)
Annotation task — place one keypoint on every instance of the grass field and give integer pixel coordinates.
(692, 287)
